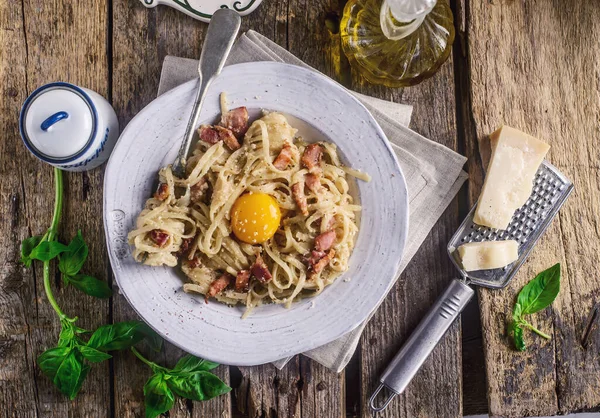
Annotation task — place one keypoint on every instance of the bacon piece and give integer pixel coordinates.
(159, 237)
(314, 257)
(236, 120)
(313, 182)
(162, 192)
(227, 136)
(285, 157)
(198, 190)
(324, 241)
(194, 263)
(218, 286)
(321, 264)
(214, 134)
(260, 270)
(311, 158)
(241, 281)
(300, 198)
(184, 247)
(208, 134)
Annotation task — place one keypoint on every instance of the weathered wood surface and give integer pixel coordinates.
(42, 42)
(532, 65)
(436, 390)
(526, 64)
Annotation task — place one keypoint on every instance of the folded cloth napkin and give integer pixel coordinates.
(433, 172)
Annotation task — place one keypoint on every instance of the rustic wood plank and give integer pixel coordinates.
(141, 40)
(529, 68)
(18, 314)
(44, 42)
(437, 388)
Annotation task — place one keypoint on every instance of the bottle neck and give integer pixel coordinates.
(400, 18)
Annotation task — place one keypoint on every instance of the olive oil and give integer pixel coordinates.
(397, 52)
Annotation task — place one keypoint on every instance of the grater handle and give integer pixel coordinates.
(422, 341)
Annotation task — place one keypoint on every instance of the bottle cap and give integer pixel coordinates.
(58, 122)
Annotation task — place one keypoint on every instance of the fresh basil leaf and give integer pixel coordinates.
(199, 386)
(70, 374)
(47, 250)
(67, 334)
(158, 398)
(27, 247)
(71, 261)
(93, 355)
(154, 341)
(89, 285)
(191, 364)
(64, 366)
(119, 336)
(51, 359)
(84, 372)
(540, 292)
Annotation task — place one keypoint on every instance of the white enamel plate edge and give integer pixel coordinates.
(215, 331)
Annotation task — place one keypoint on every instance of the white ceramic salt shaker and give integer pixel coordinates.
(69, 127)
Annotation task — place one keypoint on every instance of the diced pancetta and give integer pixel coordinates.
(213, 134)
(198, 190)
(162, 192)
(227, 136)
(300, 198)
(313, 182)
(321, 264)
(159, 237)
(242, 280)
(260, 270)
(208, 134)
(285, 156)
(218, 286)
(324, 241)
(185, 246)
(311, 158)
(236, 120)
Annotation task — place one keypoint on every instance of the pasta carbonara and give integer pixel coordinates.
(261, 216)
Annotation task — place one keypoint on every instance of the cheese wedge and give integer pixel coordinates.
(488, 255)
(515, 159)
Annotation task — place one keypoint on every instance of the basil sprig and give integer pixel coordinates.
(536, 295)
(67, 364)
(189, 379)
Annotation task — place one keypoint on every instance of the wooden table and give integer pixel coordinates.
(530, 64)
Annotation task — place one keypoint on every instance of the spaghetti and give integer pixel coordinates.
(189, 219)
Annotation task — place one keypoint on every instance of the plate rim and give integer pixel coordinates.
(401, 242)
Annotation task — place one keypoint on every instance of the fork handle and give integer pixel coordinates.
(222, 31)
(422, 341)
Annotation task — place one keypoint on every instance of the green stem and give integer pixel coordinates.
(537, 331)
(58, 198)
(138, 355)
(51, 236)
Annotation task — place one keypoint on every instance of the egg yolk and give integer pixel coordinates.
(255, 217)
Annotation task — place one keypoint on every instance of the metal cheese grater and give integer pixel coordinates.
(550, 190)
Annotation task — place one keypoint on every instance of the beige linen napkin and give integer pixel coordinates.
(433, 172)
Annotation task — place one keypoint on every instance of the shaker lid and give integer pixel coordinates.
(58, 122)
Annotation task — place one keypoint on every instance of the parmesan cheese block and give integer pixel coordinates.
(488, 255)
(515, 159)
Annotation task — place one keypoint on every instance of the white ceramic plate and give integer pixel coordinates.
(215, 331)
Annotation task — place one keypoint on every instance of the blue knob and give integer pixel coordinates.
(58, 116)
